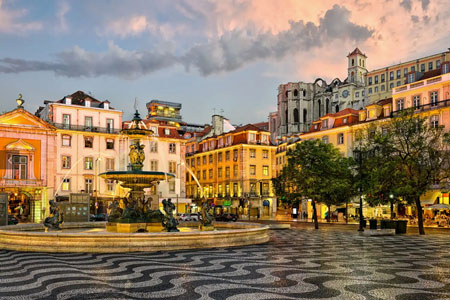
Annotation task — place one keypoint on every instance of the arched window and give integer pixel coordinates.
(305, 115)
(353, 62)
(287, 93)
(296, 118)
(295, 93)
(304, 93)
(286, 114)
(353, 77)
(320, 110)
(328, 104)
(337, 108)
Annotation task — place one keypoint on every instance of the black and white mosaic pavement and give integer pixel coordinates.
(295, 264)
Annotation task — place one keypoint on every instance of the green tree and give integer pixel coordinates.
(418, 154)
(320, 173)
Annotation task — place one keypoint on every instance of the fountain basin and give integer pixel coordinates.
(33, 238)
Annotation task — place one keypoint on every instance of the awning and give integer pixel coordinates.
(427, 201)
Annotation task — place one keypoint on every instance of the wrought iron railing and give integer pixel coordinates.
(87, 128)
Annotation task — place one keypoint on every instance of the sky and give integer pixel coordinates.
(224, 56)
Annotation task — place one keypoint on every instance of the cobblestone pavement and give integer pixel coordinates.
(296, 264)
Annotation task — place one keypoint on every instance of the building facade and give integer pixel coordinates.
(233, 169)
(27, 164)
(300, 103)
(382, 82)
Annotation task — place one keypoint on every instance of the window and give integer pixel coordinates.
(198, 175)
(295, 93)
(153, 146)
(88, 185)
(204, 174)
(382, 87)
(376, 79)
(210, 173)
(370, 82)
(219, 156)
(198, 161)
(252, 153)
(66, 184)
(153, 165)
(376, 89)
(229, 140)
(172, 186)
(109, 125)
(391, 85)
(235, 155)
(265, 170)
(211, 145)
(438, 64)
(88, 163)
(227, 172)
(172, 148)
(325, 124)
(66, 140)
(219, 172)
(434, 120)
(382, 77)
(66, 121)
(345, 120)
(446, 68)
(88, 123)
(193, 162)
(416, 101)
(340, 138)
(252, 137)
(227, 155)
(370, 90)
(88, 141)
(110, 185)
(109, 143)
(399, 74)
(265, 153)
(20, 166)
(65, 164)
(220, 143)
(173, 167)
(264, 138)
(413, 69)
(405, 71)
(325, 139)
(235, 171)
(357, 94)
(434, 98)
(386, 111)
(296, 117)
(399, 83)
(400, 103)
(166, 131)
(252, 170)
(422, 68)
(363, 93)
(235, 189)
(430, 66)
(204, 160)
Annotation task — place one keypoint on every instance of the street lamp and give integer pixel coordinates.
(359, 155)
(97, 167)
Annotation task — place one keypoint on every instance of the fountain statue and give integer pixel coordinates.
(139, 214)
(169, 221)
(206, 218)
(55, 219)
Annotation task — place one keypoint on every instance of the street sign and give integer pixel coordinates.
(4, 201)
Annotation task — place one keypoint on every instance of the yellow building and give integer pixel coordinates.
(234, 170)
(380, 83)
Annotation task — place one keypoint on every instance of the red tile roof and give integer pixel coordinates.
(356, 51)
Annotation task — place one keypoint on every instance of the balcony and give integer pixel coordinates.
(425, 107)
(86, 128)
(20, 182)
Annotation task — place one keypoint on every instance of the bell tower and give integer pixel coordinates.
(356, 67)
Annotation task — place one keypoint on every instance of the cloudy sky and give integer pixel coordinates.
(228, 55)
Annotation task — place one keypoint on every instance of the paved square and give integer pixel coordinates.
(295, 264)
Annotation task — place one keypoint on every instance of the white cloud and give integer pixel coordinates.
(9, 21)
(63, 9)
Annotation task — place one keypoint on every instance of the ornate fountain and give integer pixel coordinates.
(139, 214)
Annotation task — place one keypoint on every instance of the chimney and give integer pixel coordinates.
(217, 124)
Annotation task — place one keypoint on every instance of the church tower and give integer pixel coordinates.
(356, 67)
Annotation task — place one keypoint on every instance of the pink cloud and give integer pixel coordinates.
(9, 21)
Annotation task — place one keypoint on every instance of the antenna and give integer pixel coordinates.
(135, 103)
(221, 112)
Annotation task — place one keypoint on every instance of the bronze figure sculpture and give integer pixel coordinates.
(55, 219)
(169, 222)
